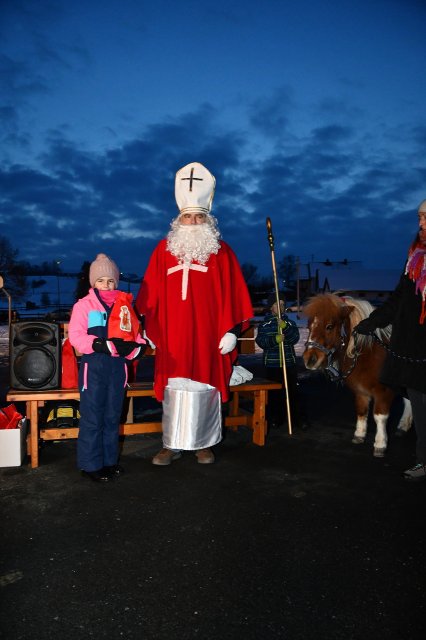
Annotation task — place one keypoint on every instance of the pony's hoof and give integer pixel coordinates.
(379, 453)
(358, 440)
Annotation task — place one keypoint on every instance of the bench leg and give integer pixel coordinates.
(234, 407)
(32, 411)
(130, 417)
(259, 417)
(235, 403)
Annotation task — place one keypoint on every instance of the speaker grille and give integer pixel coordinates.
(34, 368)
(35, 355)
(34, 334)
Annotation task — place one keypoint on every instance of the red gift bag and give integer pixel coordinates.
(123, 322)
(69, 379)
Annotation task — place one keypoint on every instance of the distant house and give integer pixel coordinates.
(350, 279)
(373, 285)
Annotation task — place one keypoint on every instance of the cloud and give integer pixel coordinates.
(270, 115)
(329, 195)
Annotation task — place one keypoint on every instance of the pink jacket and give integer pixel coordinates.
(89, 314)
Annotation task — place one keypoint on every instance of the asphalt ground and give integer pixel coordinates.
(308, 536)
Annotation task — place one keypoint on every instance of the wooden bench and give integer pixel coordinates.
(256, 390)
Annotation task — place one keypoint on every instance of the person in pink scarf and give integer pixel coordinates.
(405, 364)
(105, 330)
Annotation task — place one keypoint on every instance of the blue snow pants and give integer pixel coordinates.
(101, 403)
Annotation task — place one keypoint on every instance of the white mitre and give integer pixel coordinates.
(194, 188)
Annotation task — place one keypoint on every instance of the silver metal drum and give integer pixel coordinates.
(192, 416)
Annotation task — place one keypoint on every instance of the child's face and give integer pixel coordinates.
(105, 284)
(274, 308)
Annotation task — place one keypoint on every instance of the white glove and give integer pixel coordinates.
(227, 343)
(151, 344)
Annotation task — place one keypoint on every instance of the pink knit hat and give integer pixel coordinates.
(103, 267)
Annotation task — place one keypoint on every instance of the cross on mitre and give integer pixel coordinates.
(191, 178)
(194, 188)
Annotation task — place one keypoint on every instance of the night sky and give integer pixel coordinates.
(309, 112)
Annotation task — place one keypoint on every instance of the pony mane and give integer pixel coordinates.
(330, 305)
(322, 303)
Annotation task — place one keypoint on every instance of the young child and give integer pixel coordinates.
(105, 330)
(268, 338)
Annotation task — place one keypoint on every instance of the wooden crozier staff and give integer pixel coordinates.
(277, 297)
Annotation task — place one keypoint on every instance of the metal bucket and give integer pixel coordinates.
(192, 417)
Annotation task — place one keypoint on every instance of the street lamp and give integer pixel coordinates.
(58, 262)
(9, 299)
(298, 283)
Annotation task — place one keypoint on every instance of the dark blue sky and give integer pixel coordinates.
(309, 112)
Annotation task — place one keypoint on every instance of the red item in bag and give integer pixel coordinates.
(9, 417)
(69, 379)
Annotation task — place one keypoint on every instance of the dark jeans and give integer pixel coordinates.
(418, 403)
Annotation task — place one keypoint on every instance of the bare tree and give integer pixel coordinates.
(14, 280)
(287, 270)
(83, 284)
(250, 273)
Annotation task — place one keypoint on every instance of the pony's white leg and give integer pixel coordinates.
(406, 420)
(360, 430)
(381, 440)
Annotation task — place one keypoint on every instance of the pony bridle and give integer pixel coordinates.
(330, 353)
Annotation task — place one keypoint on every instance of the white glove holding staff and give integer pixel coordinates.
(227, 343)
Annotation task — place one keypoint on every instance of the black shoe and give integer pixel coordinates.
(97, 476)
(113, 471)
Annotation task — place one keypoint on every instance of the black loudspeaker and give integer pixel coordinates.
(35, 355)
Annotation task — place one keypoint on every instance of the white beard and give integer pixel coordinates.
(189, 242)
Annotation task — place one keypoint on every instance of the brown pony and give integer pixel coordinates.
(355, 360)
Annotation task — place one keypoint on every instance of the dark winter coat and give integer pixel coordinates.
(265, 339)
(402, 310)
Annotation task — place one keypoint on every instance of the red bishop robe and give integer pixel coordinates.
(187, 312)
